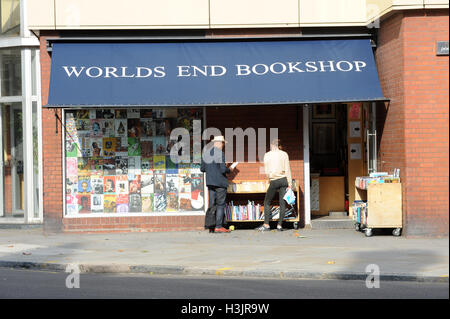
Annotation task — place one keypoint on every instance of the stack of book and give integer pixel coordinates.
(251, 211)
(360, 212)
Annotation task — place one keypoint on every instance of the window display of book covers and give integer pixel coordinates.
(118, 160)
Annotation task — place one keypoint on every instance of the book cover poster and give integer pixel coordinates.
(121, 128)
(197, 196)
(83, 127)
(147, 127)
(185, 183)
(122, 184)
(109, 185)
(172, 202)
(134, 146)
(146, 147)
(122, 203)
(72, 148)
(109, 166)
(170, 165)
(159, 162)
(83, 166)
(120, 114)
(109, 146)
(72, 185)
(96, 145)
(135, 185)
(97, 185)
(121, 165)
(109, 203)
(97, 203)
(159, 183)
(134, 127)
(185, 202)
(82, 114)
(84, 203)
(96, 166)
(133, 113)
(160, 127)
(146, 165)
(108, 128)
(134, 203)
(172, 183)
(147, 203)
(159, 202)
(71, 166)
(85, 146)
(96, 128)
(158, 113)
(134, 167)
(147, 184)
(84, 184)
(122, 146)
(92, 114)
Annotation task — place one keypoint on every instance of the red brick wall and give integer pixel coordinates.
(415, 132)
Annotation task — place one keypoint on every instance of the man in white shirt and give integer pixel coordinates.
(276, 166)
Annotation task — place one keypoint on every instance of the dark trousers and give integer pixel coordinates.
(218, 196)
(278, 185)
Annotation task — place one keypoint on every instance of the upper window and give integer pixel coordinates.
(10, 17)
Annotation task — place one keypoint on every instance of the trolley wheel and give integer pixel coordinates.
(368, 232)
(357, 227)
(397, 231)
(295, 225)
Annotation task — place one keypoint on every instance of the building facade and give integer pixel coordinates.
(405, 128)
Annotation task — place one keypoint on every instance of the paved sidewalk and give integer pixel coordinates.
(325, 254)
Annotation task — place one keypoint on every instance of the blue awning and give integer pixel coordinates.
(198, 73)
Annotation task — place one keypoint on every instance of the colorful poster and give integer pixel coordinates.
(96, 147)
(197, 197)
(109, 203)
(109, 185)
(72, 185)
(135, 185)
(84, 143)
(159, 183)
(72, 148)
(134, 127)
(172, 202)
(134, 146)
(122, 203)
(159, 162)
(185, 202)
(84, 185)
(84, 203)
(122, 208)
(109, 146)
(96, 166)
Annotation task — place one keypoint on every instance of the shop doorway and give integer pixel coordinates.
(328, 159)
(11, 160)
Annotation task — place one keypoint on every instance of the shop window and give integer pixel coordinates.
(118, 161)
(11, 72)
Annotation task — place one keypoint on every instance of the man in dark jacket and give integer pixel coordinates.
(213, 164)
